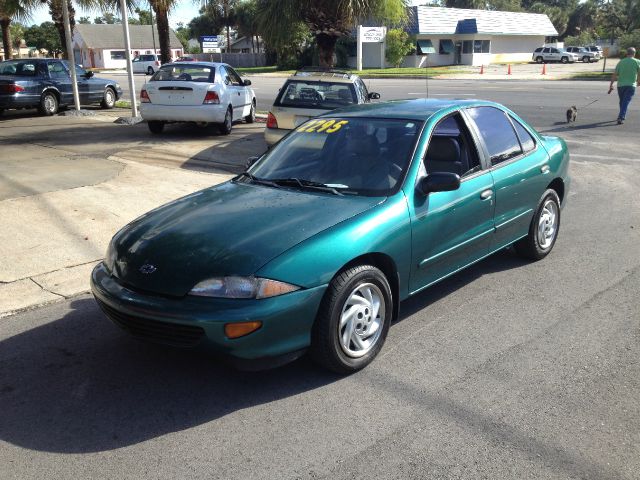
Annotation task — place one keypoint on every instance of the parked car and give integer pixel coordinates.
(45, 83)
(595, 49)
(552, 54)
(148, 64)
(314, 247)
(201, 92)
(584, 54)
(312, 92)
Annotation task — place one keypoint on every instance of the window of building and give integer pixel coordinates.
(425, 47)
(481, 46)
(118, 55)
(467, 46)
(446, 46)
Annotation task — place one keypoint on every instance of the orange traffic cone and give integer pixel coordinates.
(509, 70)
(481, 69)
(544, 69)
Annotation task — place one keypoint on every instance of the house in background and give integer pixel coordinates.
(243, 45)
(456, 36)
(102, 46)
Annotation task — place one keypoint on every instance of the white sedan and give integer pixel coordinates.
(200, 92)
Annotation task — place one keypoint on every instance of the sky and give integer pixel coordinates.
(184, 12)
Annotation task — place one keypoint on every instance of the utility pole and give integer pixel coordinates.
(127, 46)
(70, 56)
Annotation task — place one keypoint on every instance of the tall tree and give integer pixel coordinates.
(55, 10)
(246, 16)
(162, 8)
(44, 36)
(222, 11)
(327, 20)
(12, 10)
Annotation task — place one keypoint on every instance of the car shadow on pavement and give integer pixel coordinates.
(79, 384)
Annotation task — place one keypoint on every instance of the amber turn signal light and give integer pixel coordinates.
(237, 330)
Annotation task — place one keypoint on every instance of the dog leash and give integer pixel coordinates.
(590, 103)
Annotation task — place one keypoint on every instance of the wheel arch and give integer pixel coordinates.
(558, 185)
(388, 267)
(54, 91)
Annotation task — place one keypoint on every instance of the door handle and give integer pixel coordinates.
(486, 195)
(544, 169)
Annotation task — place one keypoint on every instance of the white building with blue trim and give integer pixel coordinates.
(456, 36)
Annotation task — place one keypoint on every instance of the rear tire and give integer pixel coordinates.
(155, 126)
(564, 60)
(543, 230)
(109, 99)
(252, 114)
(49, 104)
(226, 126)
(586, 59)
(353, 320)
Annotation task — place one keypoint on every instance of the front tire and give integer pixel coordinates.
(353, 320)
(155, 127)
(49, 104)
(543, 230)
(109, 99)
(539, 59)
(586, 59)
(564, 60)
(226, 126)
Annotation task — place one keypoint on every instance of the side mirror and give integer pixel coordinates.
(250, 161)
(88, 74)
(374, 96)
(439, 182)
(246, 82)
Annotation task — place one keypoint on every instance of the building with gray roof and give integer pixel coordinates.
(452, 36)
(102, 46)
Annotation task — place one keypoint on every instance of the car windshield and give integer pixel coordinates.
(18, 68)
(185, 73)
(310, 94)
(357, 156)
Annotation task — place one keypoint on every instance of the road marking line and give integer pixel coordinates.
(604, 157)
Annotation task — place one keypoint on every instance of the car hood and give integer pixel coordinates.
(230, 229)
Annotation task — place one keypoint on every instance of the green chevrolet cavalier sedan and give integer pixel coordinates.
(313, 248)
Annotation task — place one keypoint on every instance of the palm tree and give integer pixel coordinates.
(246, 16)
(161, 8)
(12, 10)
(327, 20)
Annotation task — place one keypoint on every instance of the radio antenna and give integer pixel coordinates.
(426, 74)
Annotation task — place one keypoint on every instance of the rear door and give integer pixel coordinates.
(243, 91)
(519, 167)
(231, 82)
(181, 84)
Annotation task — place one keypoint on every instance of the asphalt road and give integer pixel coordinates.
(507, 370)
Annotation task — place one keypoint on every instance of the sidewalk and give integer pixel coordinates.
(67, 186)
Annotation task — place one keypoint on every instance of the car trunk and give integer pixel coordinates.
(289, 118)
(177, 93)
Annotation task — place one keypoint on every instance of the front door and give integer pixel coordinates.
(451, 229)
(458, 56)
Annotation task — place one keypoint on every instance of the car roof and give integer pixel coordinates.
(324, 75)
(414, 109)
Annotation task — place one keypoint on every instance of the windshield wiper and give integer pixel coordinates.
(308, 184)
(254, 179)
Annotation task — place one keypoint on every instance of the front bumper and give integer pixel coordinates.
(183, 113)
(198, 322)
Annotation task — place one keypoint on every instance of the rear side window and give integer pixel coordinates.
(309, 94)
(526, 140)
(19, 68)
(497, 132)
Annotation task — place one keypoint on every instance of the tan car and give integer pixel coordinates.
(312, 92)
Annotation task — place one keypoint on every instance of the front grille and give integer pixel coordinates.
(174, 334)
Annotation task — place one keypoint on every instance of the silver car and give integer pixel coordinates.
(584, 54)
(553, 54)
(312, 92)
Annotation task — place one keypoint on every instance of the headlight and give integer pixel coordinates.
(241, 287)
(110, 257)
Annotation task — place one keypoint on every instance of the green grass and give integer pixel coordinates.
(123, 104)
(410, 71)
(590, 76)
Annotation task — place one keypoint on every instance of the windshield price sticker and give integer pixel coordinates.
(322, 126)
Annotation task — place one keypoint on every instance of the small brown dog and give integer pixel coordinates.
(572, 113)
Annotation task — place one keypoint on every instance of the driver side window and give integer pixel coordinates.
(451, 149)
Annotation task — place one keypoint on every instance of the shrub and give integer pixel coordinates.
(398, 45)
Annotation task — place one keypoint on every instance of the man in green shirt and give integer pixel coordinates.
(627, 76)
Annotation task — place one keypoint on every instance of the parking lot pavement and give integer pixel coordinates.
(68, 184)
